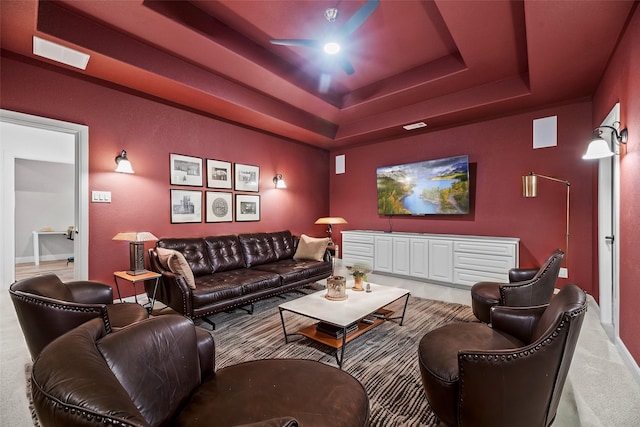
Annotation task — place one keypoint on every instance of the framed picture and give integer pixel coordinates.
(247, 177)
(219, 174)
(219, 207)
(186, 170)
(186, 206)
(247, 207)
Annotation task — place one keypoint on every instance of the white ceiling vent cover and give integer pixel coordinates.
(413, 126)
(59, 53)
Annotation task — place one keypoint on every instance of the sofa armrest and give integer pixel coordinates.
(521, 274)
(90, 292)
(174, 292)
(516, 321)
(273, 422)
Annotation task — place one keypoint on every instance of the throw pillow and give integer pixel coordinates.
(179, 265)
(163, 256)
(311, 248)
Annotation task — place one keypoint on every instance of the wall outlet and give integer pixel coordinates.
(564, 273)
(101, 196)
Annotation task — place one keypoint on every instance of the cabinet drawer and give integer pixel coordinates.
(501, 249)
(357, 249)
(482, 262)
(471, 277)
(357, 238)
(349, 260)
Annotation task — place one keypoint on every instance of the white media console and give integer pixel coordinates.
(447, 258)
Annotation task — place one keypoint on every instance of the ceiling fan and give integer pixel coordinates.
(332, 45)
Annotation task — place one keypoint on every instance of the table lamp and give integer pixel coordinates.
(329, 221)
(136, 241)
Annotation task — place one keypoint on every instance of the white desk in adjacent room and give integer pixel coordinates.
(36, 242)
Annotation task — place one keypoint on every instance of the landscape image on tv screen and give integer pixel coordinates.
(434, 187)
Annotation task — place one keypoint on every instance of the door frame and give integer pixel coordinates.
(609, 225)
(81, 205)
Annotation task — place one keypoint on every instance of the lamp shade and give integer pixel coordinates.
(135, 236)
(530, 186)
(598, 149)
(123, 164)
(331, 220)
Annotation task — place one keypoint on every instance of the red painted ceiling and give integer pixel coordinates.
(443, 62)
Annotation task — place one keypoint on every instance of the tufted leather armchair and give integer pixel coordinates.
(526, 287)
(508, 374)
(47, 308)
(161, 372)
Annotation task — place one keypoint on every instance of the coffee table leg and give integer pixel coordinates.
(404, 310)
(286, 337)
(344, 344)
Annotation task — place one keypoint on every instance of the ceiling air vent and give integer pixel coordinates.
(59, 53)
(413, 126)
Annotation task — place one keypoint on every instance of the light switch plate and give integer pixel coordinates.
(101, 196)
(564, 273)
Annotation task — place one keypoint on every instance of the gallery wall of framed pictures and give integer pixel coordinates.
(225, 202)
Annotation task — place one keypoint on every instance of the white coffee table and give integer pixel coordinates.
(344, 313)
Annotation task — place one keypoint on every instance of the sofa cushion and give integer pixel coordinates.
(231, 284)
(283, 244)
(290, 270)
(194, 252)
(257, 249)
(225, 252)
(311, 248)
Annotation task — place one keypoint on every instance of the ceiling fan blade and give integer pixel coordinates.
(346, 65)
(315, 44)
(360, 16)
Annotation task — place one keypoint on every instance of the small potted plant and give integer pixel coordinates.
(359, 273)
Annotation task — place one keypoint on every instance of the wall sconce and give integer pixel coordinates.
(330, 220)
(278, 181)
(123, 164)
(136, 241)
(599, 148)
(530, 189)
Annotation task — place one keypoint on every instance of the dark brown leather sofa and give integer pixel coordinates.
(160, 372)
(509, 374)
(234, 270)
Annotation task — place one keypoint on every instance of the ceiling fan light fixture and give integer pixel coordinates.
(331, 48)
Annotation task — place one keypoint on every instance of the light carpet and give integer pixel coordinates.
(383, 359)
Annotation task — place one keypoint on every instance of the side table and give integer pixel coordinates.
(149, 275)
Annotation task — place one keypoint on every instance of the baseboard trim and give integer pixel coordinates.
(626, 356)
(628, 359)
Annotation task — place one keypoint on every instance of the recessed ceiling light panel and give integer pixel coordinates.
(59, 53)
(413, 126)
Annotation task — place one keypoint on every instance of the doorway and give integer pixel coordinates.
(608, 232)
(43, 145)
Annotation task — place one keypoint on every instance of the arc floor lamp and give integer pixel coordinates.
(530, 189)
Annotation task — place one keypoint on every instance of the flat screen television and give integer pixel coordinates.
(431, 187)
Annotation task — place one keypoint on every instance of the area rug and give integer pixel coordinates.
(384, 359)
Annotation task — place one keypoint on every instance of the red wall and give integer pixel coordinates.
(500, 153)
(621, 83)
(149, 131)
